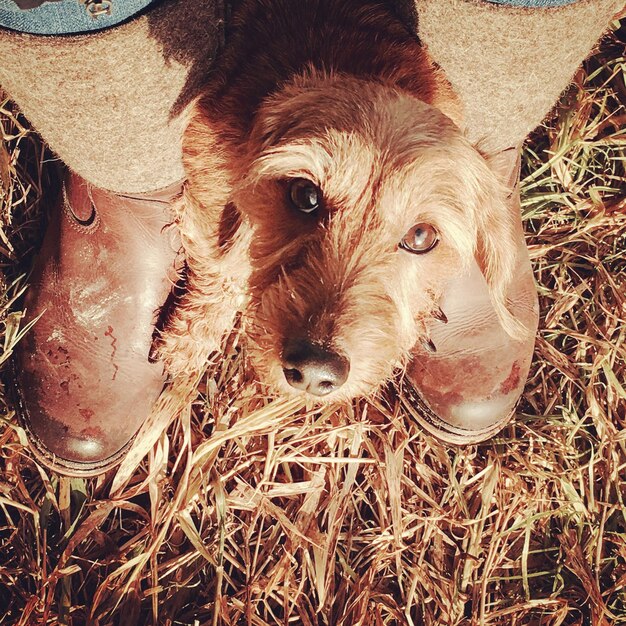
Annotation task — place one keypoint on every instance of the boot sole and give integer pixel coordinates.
(443, 431)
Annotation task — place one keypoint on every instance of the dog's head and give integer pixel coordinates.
(364, 202)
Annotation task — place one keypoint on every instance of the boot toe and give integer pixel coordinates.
(467, 399)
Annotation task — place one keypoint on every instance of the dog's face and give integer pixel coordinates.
(364, 202)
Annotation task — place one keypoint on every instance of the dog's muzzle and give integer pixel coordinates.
(313, 369)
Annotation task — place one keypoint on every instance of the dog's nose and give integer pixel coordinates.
(313, 369)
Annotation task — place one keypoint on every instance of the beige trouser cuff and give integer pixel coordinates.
(509, 65)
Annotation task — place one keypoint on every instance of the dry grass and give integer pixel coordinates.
(251, 512)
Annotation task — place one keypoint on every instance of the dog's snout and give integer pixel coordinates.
(312, 369)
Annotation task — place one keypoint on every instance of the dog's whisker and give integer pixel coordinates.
(439, 315)
(428, 345)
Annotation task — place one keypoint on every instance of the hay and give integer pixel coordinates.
(248, 511)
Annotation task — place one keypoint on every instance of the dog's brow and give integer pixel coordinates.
(292, 160)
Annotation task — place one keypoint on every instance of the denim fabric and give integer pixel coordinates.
(65, 17)
(533, 3)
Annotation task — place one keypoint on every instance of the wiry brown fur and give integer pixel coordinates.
(338, 92)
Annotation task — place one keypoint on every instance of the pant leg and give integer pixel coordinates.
(111, 104)
(509, 64)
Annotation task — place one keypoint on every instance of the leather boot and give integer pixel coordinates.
(84, 382)
(467, 389)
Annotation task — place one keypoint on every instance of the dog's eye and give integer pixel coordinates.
(420, 238)
(304, 195)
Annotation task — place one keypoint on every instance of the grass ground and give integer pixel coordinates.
(250, 512)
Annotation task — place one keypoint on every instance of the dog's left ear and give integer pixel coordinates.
(499, 234)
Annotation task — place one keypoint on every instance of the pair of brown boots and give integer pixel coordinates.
(107, 263)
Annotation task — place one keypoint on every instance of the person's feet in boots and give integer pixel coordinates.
(84, 382)
(467, 383)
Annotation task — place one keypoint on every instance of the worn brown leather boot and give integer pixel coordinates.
(84, 381)
(467, 389)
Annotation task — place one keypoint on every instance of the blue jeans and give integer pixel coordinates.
(64, 17)
(67, 17)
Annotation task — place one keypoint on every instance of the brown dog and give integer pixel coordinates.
(330, 196)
